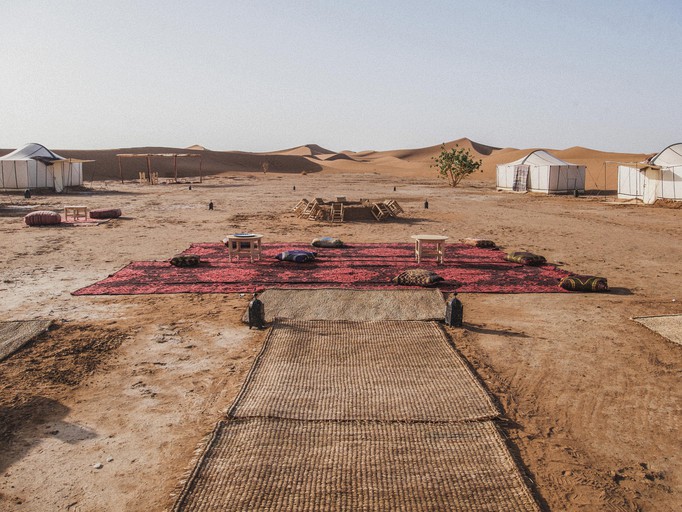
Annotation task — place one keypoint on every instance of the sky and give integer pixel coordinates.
(348, 75)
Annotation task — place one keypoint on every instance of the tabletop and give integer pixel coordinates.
(436, 238)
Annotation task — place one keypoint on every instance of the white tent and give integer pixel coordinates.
(660, 177)
(35, 166)
(541, 171)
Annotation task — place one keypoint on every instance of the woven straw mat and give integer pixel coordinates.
(355, 305)
(340, 370)
(277, 465)
(668, 326)
(13, 335)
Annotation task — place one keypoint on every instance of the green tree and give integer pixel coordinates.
(456, 164)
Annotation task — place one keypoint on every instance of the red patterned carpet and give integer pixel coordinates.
(360, 266)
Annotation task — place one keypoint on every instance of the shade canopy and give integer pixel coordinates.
(669, 157)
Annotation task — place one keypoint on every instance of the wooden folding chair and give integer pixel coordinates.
(394, 207)
(300, 206)
(336, 213)
(380, 211)
(315, 213)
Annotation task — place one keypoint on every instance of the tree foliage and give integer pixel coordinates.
(456, 164)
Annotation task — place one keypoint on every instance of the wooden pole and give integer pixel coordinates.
(120, 169)
(200, 175)
(175, 167)
(149, 169)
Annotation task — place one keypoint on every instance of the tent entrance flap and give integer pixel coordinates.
(520, 178)
(652, 185)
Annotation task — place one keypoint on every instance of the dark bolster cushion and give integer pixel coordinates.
(105, 213)
(584, 284)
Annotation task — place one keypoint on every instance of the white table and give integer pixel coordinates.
(429, 245)
(239, 245)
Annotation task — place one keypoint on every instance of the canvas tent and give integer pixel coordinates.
(660, 177)
(35, 166)
(542, 172)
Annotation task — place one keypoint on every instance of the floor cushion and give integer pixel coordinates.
(42, 218)
(480, 242)
(417, 277)
(185, 260)
(327, 241)
(296, 256)
(584, 284)
(105, 213)
(526, 258)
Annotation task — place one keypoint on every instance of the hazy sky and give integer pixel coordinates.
(264, 75)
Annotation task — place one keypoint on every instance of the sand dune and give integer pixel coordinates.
(601, 174)
(306, 150)
(426, 154)
(105, 165)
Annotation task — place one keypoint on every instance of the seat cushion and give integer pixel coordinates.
(185, 260)
(42, 218)
(327, 241)
(584, 284)
(480, 242)
(105, 213)
(526, 258)
(296, 256)
(417, 277)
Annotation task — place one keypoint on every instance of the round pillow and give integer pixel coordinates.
(105, 213)
(42, 218)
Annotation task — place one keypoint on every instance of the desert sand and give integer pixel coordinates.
(592, 400)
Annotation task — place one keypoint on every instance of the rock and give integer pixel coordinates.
(98, 465)
(110, 459)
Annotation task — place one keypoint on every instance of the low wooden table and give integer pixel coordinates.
(76, 213)
(242, 244)
(429, 245)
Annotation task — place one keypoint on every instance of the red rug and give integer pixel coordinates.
(361, 266)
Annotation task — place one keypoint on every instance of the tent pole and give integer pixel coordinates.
(175, 167)
(120, 170)
(16, 176)
(149, 169)
(200, 174)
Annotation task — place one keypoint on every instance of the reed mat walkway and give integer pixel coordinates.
(340, 415)
(340, 370)
(274, 465)
(354, 305)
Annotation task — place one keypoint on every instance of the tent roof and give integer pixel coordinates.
(539, 157)
(669, 157)
(33, 151)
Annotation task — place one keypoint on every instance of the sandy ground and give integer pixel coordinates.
(592, 400)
